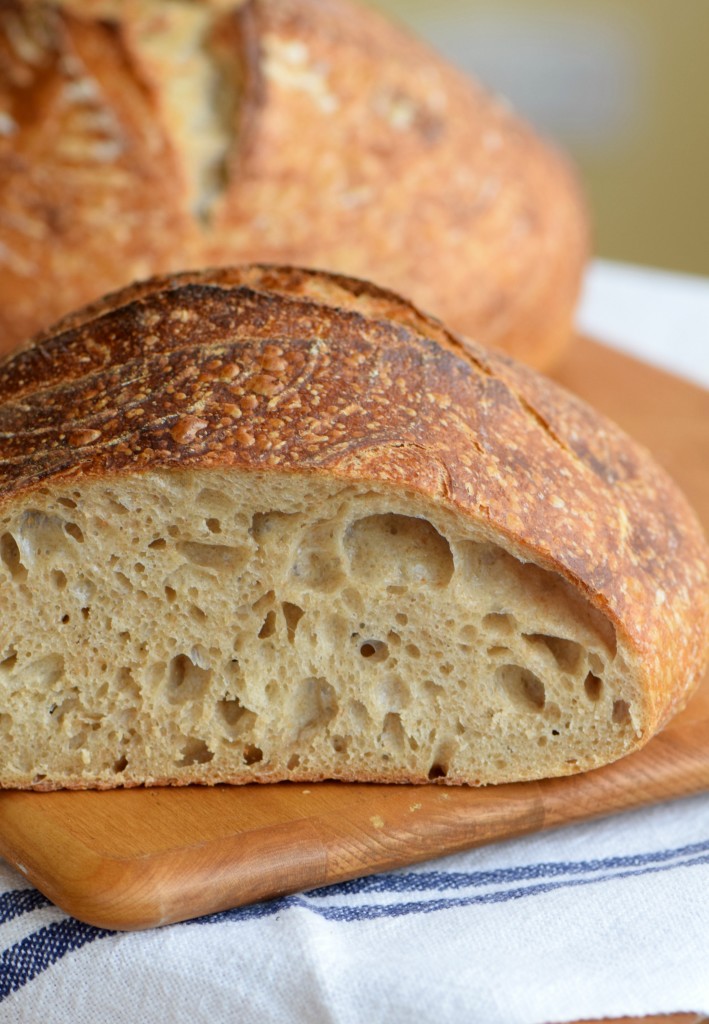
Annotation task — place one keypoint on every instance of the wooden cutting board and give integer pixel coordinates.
(139, 858)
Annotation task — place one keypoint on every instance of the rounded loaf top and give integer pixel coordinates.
(277, 369)
(139, 138)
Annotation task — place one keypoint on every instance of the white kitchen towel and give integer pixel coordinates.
(601, 919)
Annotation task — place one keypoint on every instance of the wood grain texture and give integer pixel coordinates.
(139, 858)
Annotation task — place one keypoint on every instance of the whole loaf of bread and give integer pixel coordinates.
(265, 523)
(143, 136)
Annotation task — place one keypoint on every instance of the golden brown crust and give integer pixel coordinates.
(348, 145)
(285, 370)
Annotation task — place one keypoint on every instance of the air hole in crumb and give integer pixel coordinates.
(393, 693)
(292, 613)
(230, 710)
(566, 653)
(170, 594)
(158, 544)
(264, 602)
(234, 716)
(402, 618)
(374, 650)
(393, 734)
(595, 663)
(269, 626)
(313, 704)
(359, 716)
(65, 619)
(197, 613)
(437, 771)
(339, 744)
(10, 556)
(117, 507)
(122, 580)
(353, 599)
(66, 502)
(185, 679)
(78, 740)
(58, 579)
(412, 651)
(522, 687)
(555, 732)
(173, 531)
(434, 689)
(252, 755)
(74, 531)
(500, 621)
(214, 526)
(120, 765)
(621, 712)
(317, 564)
(593, 687)
(495, 652)
(8, 663)
(194, 751)
(85, 612)
(293, 762)
(272, 523)
(217, 557)
(552, 711)
(213, 499)
(542, 741)
(468, 634)
(398, 551)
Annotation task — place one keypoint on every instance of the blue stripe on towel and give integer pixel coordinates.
(20, 901)
(38, 951)
(372, 911)
(426, 881)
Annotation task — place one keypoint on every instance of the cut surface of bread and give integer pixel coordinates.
(274, 627)
(142, 136)
(263, 524)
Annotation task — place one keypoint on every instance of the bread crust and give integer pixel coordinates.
(283, 370)
(345, 144)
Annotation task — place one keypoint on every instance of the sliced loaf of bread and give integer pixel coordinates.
(264, 523)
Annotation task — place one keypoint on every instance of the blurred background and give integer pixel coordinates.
(624, 87)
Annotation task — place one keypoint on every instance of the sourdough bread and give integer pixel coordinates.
(142, 137)
(264, 523)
